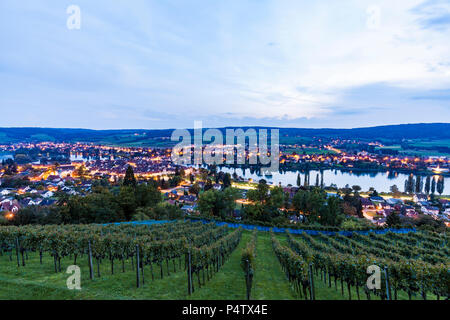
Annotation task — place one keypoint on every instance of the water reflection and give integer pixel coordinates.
(381, 181)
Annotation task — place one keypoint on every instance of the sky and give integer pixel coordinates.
(164, 64)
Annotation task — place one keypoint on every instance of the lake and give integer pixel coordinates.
(381, 181)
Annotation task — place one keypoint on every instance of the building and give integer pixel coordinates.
(418, 197)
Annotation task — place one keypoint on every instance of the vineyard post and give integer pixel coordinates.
(189, 272)
(17, 251)
(91, 266)
(138, 274)
(248, 279)
(311, 282)
(388, 289)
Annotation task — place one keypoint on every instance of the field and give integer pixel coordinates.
(421, 147)
(309, 151)
(40, 281)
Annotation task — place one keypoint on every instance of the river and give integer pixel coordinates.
(381, 181)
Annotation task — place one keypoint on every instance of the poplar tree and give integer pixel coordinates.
(428, 184)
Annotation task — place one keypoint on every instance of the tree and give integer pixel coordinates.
(81, 172)
(440, 185)
(309, 202)
(208, 185)
(393, 219)
(317, 180)
(321, 179)
(277, 197)
(260, 194)
(127, 201)
(194, 189)
(409, 184)
(164, 210)
(218, 203)
(419, 184)
(433, 186)
(130, 179)
(226, 180)
(395, 191)
(299, 180)
(306, 181)
(348, 209)
(141, 215)
(428, 184)
(147, 195)
(10, 167)
(331, 213)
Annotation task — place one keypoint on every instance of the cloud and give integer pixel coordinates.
(434, 95)
(164, 64)
(434, 14)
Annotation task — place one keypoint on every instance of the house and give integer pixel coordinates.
(423, 203)
(201, 184)
(418, 197)
(385, 206)
(295, 219)
(10, 205)
(335, 195)
(54, 178)
(65, 170)
(447, 211)
(25, 190)
(172, 194)
(190, 199)
(433, 211)
(394, 201)
(367, 204)
(48, 194)
(444, 203)
(188, 209)
(48, 202)
(30, 202)
(5, 192)
(377, 199)
(380, 221)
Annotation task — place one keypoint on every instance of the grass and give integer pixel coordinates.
(270, 282)
(36, 281)
(229, 283)
(424, 153)
(41, 282)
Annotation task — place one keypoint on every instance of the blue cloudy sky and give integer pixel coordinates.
(165, 63)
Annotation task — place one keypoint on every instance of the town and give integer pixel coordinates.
(39, 174)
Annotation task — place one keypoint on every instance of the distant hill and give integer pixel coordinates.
(131, 137)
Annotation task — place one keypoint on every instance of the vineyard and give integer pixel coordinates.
(416, 263)
(193, 260)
